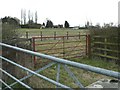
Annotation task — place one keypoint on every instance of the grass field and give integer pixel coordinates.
(85, 77)
(50, 32)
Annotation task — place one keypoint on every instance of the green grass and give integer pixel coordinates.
(50, 32)
(110, 65)
(85, 77)
(58, 43)
(16, 86)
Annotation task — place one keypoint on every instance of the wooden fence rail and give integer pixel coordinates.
(105, 46)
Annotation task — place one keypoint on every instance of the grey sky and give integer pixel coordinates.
(76, 12)
(119, 13)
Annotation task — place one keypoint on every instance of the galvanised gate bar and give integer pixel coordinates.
(55, 61)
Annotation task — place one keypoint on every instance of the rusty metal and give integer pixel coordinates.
(51, 46)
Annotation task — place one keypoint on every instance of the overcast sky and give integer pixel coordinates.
(119, 13)
(76, 12)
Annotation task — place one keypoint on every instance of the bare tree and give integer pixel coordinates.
(36, 17)
(29, 16)
(21, 16)
(32, 16)
(24, 16)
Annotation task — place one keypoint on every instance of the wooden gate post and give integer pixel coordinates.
(41, 35)
(89, 46)
(27, 35)
(34, 58)
(67, 35)
(79, 35)
(54, 35)
(86, 48)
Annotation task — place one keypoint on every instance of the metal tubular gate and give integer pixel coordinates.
(58, 61)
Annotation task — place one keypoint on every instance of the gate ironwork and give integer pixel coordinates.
(55, 60)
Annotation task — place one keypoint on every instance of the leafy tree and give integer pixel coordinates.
(10, 20)
(43, 24)
(9, 28)
(66, 24)
(49, 24)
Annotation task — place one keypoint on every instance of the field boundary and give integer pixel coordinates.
(105, 43)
